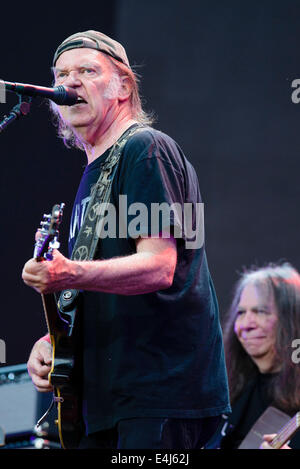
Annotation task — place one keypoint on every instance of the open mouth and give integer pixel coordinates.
(80, 100)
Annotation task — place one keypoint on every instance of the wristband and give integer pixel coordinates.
(47, 338)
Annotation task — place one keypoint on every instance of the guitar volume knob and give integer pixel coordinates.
(67, 295)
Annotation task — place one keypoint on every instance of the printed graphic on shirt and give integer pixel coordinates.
(78, 217)
(139, 220)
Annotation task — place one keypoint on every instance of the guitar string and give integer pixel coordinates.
(285, 431)
(281, 436)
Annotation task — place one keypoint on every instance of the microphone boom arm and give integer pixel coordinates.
(19, 110)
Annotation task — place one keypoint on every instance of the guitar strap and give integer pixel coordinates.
(89, 235)
(92, 226)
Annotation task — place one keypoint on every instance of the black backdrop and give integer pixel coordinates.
(218, 75)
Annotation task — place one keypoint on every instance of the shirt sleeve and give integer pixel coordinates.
(154, 190)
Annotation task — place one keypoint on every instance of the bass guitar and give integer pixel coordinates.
(63, 320)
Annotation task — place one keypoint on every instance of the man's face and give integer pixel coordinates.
(89, 72)
(255, 325)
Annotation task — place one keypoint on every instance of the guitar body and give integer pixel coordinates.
(64, 326)
(63, 320)
(271, 421)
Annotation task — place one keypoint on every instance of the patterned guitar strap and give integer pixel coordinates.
(90, 231)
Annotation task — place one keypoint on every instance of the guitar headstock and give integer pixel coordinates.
(48, 233)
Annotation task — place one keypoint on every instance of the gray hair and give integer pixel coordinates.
(67, 134)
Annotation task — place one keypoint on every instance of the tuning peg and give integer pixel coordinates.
(55, 244)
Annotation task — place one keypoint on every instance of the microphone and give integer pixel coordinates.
(59, 94)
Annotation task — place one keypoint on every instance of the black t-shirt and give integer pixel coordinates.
(258, 402)
(158, 354)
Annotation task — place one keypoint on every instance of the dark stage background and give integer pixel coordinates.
(218, 75)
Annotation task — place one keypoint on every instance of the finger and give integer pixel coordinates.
(57, 254)
(38, 234)
(42, 371)
(28, 278)
(32, 265)
(48, 360)
(34, 366)
(41, 384)
(39, 366)
(44, 390)
(269, 437)
(40, 380)
(45, 352)
(33, 282)
(265, 445)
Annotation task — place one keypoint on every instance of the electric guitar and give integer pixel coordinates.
(63, 320)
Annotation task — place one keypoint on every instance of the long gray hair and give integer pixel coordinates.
(283, 281)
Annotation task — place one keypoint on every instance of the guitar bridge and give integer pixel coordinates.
(58, 399)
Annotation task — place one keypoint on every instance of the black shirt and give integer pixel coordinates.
(246, 410)
(158, 354)
(258, 402)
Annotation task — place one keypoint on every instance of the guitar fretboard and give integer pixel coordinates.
(287, 431)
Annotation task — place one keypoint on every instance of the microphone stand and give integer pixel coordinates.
(19, 110)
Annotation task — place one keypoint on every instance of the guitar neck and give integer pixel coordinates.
(286, 432)
(46, 242)
(51, 312)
